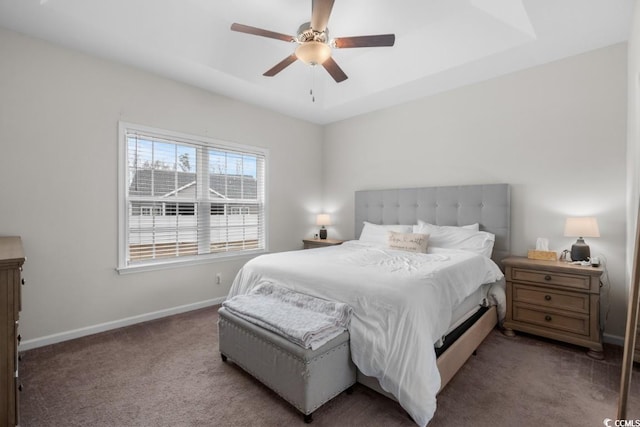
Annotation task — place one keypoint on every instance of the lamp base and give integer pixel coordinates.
(323, 233)
(580, 251)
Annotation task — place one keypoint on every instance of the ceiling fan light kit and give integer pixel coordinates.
(313, 53)
(314, 47)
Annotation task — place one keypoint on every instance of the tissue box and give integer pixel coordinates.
(545, 255)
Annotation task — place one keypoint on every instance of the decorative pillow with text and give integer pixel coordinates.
(411, 242)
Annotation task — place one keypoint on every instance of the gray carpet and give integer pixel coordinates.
(168, 373)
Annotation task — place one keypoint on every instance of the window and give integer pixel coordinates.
(186, 198)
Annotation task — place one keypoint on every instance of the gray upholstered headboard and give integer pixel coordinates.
(489, 205)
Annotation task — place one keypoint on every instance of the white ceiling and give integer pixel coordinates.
(440, 44)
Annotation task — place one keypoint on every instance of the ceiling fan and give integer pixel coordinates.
(314, 45)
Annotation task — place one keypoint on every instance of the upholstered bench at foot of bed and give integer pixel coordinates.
(305, 378)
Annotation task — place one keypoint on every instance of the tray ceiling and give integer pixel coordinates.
(440, 44)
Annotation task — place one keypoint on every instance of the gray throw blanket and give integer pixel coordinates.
(307, 321)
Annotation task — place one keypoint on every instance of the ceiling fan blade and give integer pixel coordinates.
(336, 72)
(280, 66)
(320, 12)
(365, 41)
(260, 32)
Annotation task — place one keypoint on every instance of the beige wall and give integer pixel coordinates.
(556, 133)
(59, 113)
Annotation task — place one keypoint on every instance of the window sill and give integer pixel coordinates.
(186, 262)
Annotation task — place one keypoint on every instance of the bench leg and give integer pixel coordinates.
(308, 418)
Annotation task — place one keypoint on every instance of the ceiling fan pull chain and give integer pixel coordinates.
(313, 82)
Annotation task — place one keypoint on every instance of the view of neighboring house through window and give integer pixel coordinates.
(187, 197)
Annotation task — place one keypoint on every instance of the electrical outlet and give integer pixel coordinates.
(218, 279)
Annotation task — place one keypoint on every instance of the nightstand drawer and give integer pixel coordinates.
(576, 324)
(545, 297)
(549, 278)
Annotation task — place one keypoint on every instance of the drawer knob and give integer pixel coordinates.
(547, 318)
(20, 387)
(22, 281)
(19, 337)
(547, 297)
(547, 277)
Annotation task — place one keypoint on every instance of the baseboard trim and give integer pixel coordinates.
(613, 339)
(107, 326)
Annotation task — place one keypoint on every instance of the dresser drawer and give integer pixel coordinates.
(545, 297)
(567, 322)
(16, 399)
(550, 278)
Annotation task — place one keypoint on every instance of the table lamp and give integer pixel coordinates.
(322, 220)
(581, 227)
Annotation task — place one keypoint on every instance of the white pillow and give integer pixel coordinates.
(480, 242)
(375, 233)
(410, 242)
(474, 227)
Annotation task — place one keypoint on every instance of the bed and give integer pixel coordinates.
(404, 303)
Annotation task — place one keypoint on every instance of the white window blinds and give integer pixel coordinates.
(187, 197)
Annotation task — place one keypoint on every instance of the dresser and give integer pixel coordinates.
(556, 300)
(11, 260)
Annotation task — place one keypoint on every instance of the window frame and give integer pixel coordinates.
(123, 218)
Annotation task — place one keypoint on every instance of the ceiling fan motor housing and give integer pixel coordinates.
(308, 34)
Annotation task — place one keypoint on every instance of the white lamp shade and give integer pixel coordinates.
(323, 219)
(581, 227)
(313, 52)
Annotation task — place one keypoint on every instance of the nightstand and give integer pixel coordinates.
(556, 300)
(320, 243)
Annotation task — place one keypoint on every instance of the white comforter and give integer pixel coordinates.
(401, 303)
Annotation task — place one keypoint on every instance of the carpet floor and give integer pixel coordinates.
(168, 372)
